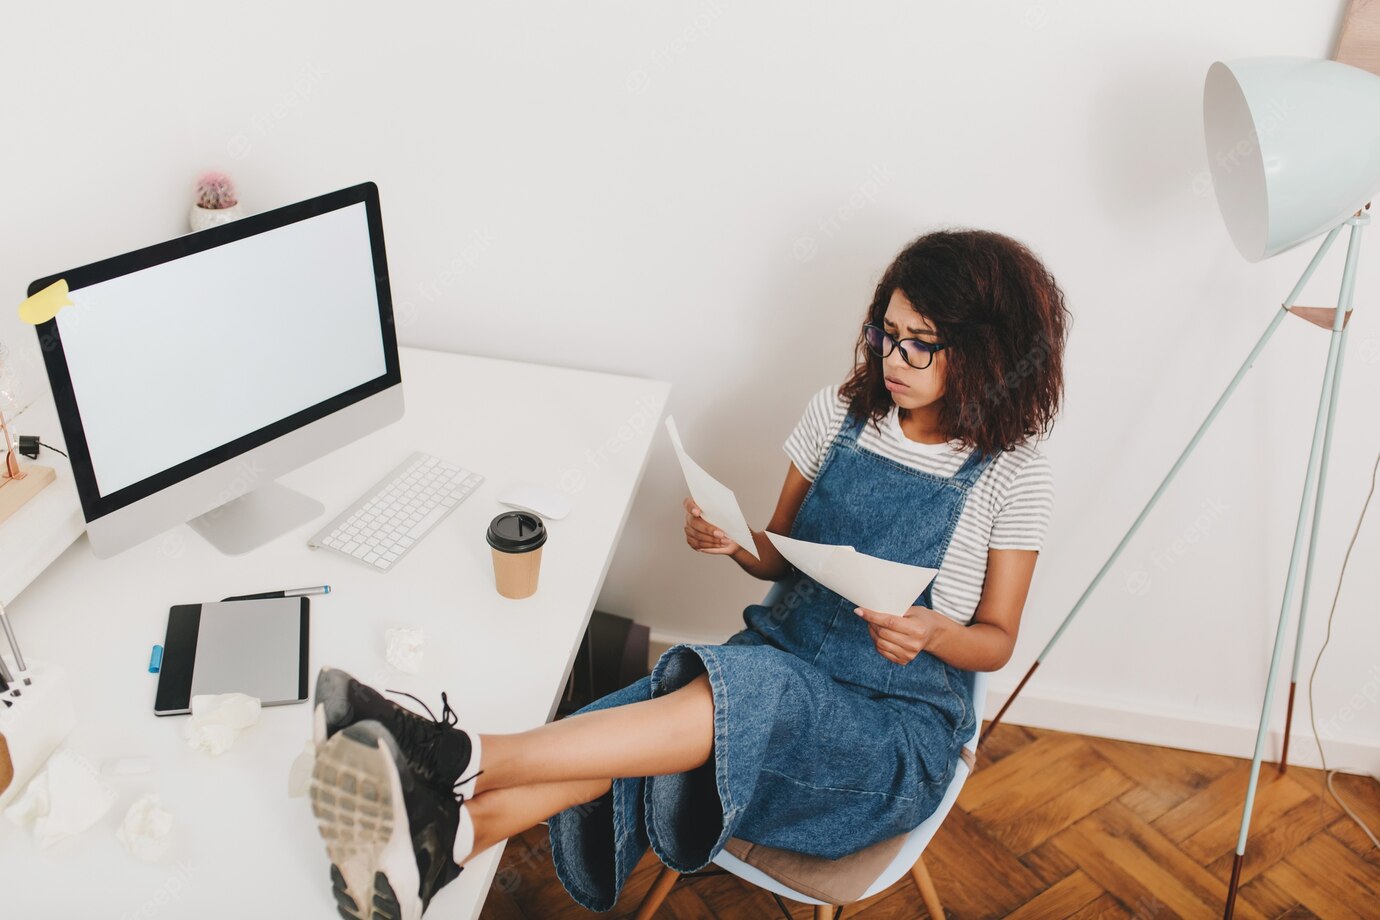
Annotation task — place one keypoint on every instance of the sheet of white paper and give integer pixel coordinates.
(877, 584)
(717, 502)
(810, 558)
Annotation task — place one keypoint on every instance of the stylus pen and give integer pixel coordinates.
(291, 592)
(14, 646)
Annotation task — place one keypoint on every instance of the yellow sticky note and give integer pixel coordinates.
(44, 305)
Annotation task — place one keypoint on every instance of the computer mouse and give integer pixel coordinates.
(538, 499)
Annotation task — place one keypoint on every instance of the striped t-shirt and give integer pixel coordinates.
(1007, 508)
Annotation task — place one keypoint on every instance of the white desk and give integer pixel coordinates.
(242, 847)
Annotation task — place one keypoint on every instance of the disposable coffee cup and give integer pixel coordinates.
(516, 539)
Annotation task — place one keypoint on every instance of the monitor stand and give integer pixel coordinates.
(255, 518)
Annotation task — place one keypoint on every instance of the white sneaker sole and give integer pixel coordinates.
(357, 798)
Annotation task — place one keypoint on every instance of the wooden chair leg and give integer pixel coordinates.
(824, 912)
(926, 886)
(659, 890)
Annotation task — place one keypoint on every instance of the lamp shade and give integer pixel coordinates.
(1293, 145)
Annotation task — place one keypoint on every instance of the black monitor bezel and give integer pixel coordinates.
(94, 505)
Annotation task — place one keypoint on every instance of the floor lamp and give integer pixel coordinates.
(1294, 149)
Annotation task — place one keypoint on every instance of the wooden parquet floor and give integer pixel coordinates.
(1053, 825)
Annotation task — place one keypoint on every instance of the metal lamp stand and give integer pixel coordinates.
(1336, 320)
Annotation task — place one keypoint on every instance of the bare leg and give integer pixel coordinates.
(505, 813)
(669, 734)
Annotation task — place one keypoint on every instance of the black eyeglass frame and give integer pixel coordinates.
(930, 348)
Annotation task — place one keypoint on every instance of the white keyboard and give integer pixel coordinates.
(399, 510)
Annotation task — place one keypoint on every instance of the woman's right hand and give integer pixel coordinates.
(703, 536)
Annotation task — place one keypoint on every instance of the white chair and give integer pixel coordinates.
(910, 858)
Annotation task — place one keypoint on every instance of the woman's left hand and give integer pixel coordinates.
(900, 639)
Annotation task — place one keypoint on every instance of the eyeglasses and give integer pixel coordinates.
(917, 353)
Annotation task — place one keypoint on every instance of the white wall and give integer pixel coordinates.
(706, 192)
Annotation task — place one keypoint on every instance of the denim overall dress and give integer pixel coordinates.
(821, 745)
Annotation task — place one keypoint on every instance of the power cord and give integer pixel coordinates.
(29, 445)
(1312, 718)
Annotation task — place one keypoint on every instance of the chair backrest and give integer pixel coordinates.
(981, 680)
(920, 837)
(917, 840)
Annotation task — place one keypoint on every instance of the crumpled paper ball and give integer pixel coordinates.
(218, 719)
(404, 649)
(63, 800)
(147, 828)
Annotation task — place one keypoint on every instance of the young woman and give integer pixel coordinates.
(821, 727)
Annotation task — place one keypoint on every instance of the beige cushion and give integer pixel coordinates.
(833, 881)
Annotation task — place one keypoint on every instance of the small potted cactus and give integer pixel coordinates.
(216, 202)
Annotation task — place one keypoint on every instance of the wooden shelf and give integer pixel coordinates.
(14, 493)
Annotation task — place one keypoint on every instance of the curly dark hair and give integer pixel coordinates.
(1003, 317)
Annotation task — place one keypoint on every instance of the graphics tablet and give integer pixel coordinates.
(255, 647)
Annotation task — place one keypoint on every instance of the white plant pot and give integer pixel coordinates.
(201, 218)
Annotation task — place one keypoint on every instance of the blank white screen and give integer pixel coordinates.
(178, 359)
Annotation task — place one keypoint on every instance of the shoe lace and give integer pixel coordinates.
(460, 781)
(448, 717)
(428, 735)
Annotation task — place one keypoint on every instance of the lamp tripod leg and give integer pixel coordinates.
(996, 720)
(1314, 458)
(1333, 390)
(1173, 471)
(1289, 710)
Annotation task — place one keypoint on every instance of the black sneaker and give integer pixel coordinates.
(390, 837)
(438, 752)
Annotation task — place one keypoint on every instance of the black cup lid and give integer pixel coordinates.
(516, 532)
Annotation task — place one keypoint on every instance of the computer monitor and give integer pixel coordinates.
(190, 374)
